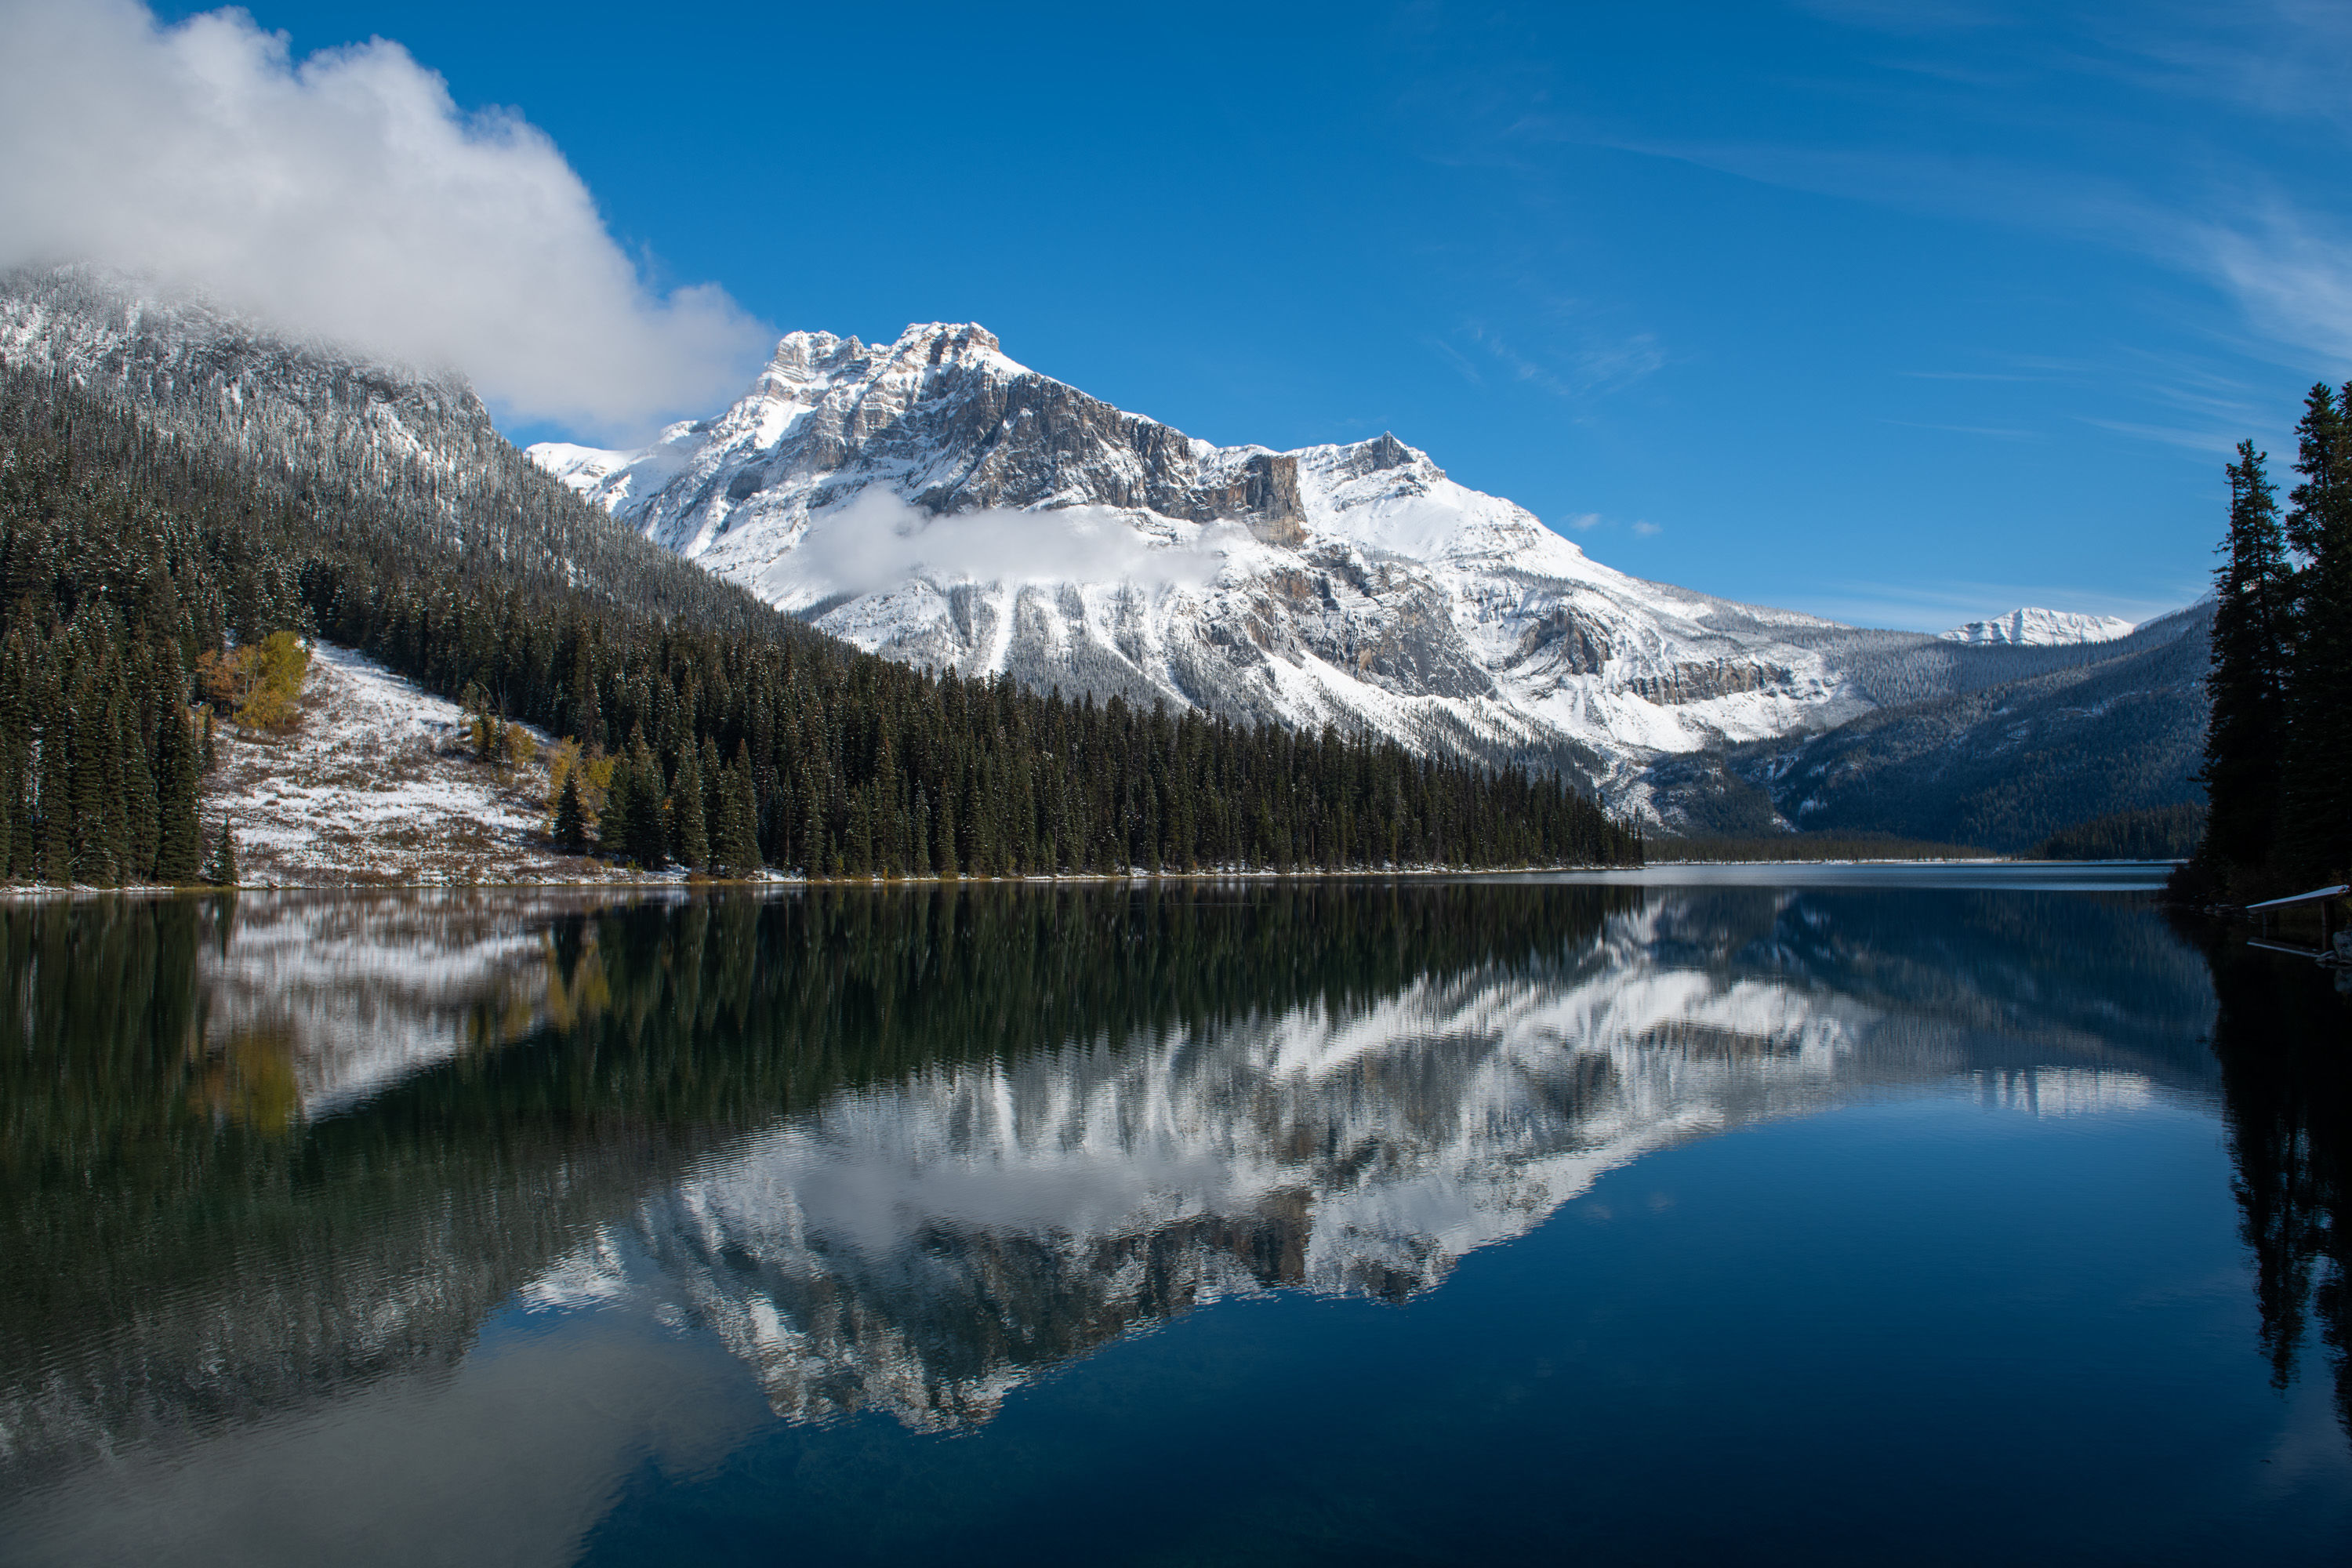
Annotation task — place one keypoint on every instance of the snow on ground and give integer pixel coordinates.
(377, 784)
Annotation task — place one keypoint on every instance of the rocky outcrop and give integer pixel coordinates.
(1700, 682)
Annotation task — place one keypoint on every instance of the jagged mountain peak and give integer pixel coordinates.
(937, 502)
(1353, 582)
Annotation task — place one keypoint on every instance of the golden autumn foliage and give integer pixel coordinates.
(257, 683)
(596, 771)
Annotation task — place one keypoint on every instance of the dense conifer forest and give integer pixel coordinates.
(134, 546)
(2278, 750)
(2156, 833)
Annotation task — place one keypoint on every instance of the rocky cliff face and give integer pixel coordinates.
(935, 501)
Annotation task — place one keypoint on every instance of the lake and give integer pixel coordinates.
(1758, 1214)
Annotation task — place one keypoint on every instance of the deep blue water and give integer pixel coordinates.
(1848, 1216)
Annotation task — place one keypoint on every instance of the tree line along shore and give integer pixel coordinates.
(2278, 750)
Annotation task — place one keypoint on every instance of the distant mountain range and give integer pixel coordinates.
(934, 501)
(2040, 629)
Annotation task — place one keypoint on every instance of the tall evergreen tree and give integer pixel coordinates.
(735, 844)
(141, 809)
(179, 843)
(2316, 830)
(616, 820)
(647, 841)
(2245, 744)
(571, 819)
(689, 842)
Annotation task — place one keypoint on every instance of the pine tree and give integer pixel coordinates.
(617, 822)
(141, 805)
(179, 844)
(735, 844)
(2253, 647)
(2316, 829)
(571, 821)
(223, 871)
(690, 843)
(55, 853)
(648, 841)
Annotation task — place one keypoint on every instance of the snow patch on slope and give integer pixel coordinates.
(375, 785)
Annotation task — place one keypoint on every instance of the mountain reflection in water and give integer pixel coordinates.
(902, 1151)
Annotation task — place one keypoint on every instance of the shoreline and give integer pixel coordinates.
(664, 883)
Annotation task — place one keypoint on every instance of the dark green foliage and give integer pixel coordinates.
(222, 871)
(2245, 739)
(138, 536)
(571, 821)
(2279, 752)
(690, 843)
(2157, 833)
(179, 847)
(106, 598)
(2317, 831)
(645, 839)
(734, 840)
(618, 830)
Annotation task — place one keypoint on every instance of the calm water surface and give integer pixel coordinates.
(1827, 1216)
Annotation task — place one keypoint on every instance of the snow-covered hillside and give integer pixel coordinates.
(933, 501)
(375, 785)
(2040, 629)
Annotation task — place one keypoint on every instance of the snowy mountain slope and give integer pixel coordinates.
(2079, 732)
(316, 414)
(2040, 629)
(933, 501)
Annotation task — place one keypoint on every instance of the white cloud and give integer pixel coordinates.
(344, 196)
(1647, 529)
(1583, 522)
(878, 541)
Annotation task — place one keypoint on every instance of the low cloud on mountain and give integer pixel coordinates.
(878, 541)
(346, 196)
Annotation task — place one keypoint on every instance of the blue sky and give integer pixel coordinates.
(1900, 313)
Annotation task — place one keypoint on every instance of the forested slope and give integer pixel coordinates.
(165, 492)
(2072, 733)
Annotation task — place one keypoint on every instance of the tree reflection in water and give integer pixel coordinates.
(2284, 1036)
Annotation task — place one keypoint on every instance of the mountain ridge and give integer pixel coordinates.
(1353, 582)
(935, 500)
(2040, 629)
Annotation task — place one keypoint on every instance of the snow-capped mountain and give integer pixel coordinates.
(2040, 629)
(934, 500)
